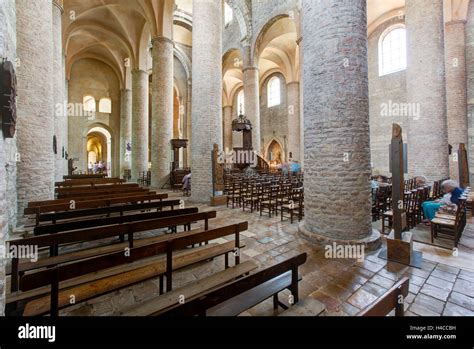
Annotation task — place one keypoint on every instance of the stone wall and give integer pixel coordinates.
(91, 77)
(383, 90)
(470, 84)
(274, 120)
(8, 202)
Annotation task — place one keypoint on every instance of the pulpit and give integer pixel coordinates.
(177, 172)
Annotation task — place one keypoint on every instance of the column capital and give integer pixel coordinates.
(59, 4)
(162, 39)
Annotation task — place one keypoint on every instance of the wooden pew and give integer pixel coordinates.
(54, 241)
(165, 266)
(89, 181)
(394, 298)
(206, 297)
(107, 211)
(98, 222)
(88, 198)
(91, 204)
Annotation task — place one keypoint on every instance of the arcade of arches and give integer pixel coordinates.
(114, 81)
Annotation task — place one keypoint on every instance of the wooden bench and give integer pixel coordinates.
(107, 211)
(211, 296)
(394, 298)
(37, 211)
(98, 222)
(143, 270)
(88, 181)
(54, 241)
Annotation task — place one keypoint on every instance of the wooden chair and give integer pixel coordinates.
(295, 205)
(270, 205)
(235, 196)
(448, 227)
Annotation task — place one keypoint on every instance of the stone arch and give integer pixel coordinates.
(243, 16)
(261, 34)
(109, 135)
(274, 142)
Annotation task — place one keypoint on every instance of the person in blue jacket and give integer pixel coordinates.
(452, 195)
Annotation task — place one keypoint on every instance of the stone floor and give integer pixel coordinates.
(443, 286)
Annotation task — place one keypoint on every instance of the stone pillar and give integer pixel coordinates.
(293, 96)
(252, 96)
(336, 112)
(125, 128)
(456, 89)
(206, 94)
(162, 110)
(228, 144)
(139, 122)
(426, 90)
(301, 116)
(35, 123)
(188, 125)
(58, 76)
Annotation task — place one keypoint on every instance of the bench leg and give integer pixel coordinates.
(275, 301)
(162, 282)
(226, 261)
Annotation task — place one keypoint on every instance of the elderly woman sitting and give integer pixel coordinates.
(452, 195)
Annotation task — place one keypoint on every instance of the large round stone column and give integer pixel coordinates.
(252, 96)
(206, 94)
(228, 128)
(125, 128)
(139, 123)
(426, 90)
(162, 110)
(336, 113)
(293, 96)
(456, 89)
(35, 123)
(58, 75)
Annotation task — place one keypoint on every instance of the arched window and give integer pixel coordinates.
(89, 104)
(228, 14)
(393, 50)
(241, 103)
(105, 106)
(274, 92)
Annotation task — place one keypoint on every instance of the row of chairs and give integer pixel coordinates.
(144, 178)
(271, 194)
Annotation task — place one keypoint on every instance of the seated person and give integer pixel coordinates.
(187, 184)
(379, 181)
(420, 181)
(452, 196)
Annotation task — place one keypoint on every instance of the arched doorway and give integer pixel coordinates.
(99, 148)
(274, 154)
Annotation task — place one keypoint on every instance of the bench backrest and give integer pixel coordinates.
(88, 181)
(92, 203)
(59, 216)
(199, 305)
(392, 299)
(98, 222)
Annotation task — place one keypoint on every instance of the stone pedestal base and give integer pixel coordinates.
(218, 201)
(401, 251)
(371, 243)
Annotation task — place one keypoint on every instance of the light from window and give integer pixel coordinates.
(228, 14)
(393, 51)
(274, 92)
(241, 103)
(105, 106)
(89, 104)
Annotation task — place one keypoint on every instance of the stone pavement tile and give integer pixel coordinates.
(466, 275)
(334, 268)
(435, 292)
(382, 281)
(361, 299)
(418, 272)
(374, 258)
(416, 280)
(388, 274)
(424, 305)
(331, 303)
(456, 310)
(371, 266)
(356, 270)
(414, 288)
(462, 300)
(144, 291)
(123, 299)
(410, 298)
(349, 309)
(465, 287)
(443, 284)
(427, 265)
(448, 269)
(440, 274)
(374, 289)
(336, 291)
